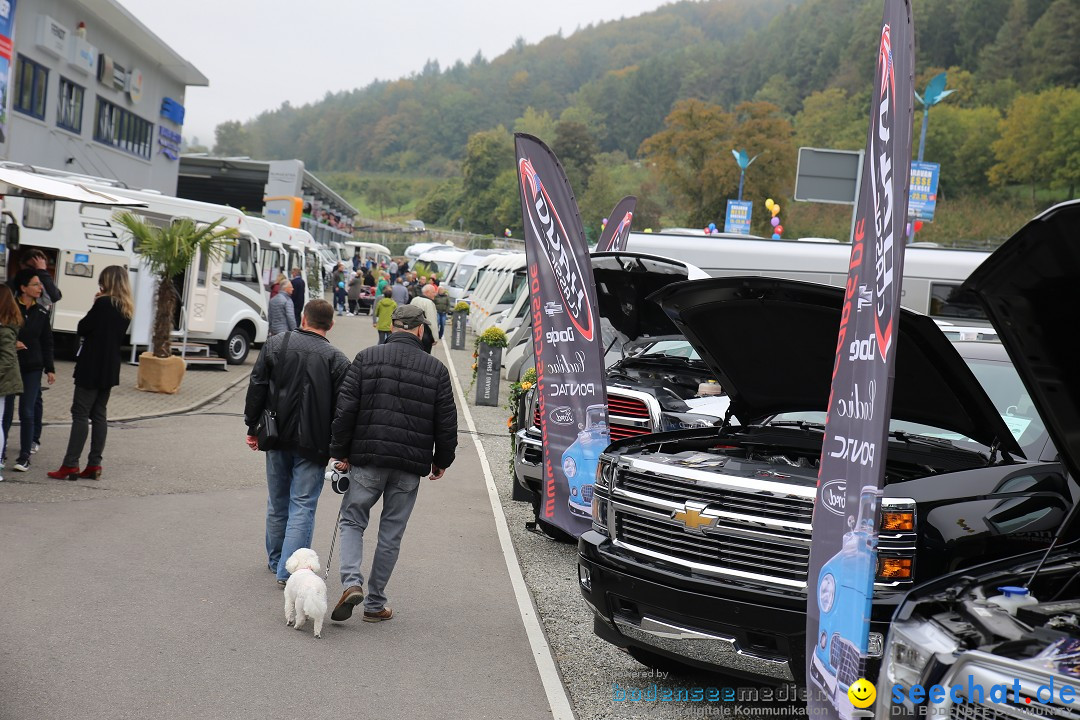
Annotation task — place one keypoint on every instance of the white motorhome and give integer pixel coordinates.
(367, 251)
(498, 288)
(932, 276)
(442, 261)
(463, 280)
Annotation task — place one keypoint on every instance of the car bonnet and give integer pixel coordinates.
(772, 344)
(1029, 289)
(623, 282)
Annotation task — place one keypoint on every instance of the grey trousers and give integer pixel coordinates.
(398, 492)
(88, 406)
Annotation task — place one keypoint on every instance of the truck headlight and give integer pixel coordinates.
(600, 515)
(911, 647)
(826, 592)
(605, 472)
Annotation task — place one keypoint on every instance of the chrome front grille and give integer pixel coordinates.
(723, 552)
(777, 507)
(586, 494)
(630, 413)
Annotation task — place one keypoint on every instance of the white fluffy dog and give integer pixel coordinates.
(305, 592)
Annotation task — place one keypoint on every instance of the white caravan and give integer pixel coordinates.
(442, 261)
(367, 251)
(463, 280)
(932, 276)
(498, 289)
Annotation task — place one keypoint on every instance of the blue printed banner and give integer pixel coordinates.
(738, 215)
(922, 193)
(7, 44)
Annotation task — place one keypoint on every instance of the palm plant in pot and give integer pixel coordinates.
(166, 253)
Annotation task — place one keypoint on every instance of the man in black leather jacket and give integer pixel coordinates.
(396, 421)
(298, 375)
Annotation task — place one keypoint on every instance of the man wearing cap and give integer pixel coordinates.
(396, 421)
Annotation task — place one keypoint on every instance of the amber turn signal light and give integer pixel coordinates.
(895, 521)
(893, 568)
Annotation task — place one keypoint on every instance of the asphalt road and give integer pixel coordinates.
(147, 594)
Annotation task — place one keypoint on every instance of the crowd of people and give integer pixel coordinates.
(27, 357)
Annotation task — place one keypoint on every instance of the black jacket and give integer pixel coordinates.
(306, 382)
(396, 409)
(36, 334)
(102, 331)
(299, 297)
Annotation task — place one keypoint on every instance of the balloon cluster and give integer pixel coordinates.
(507, 232)
(711, 229)
(603, 223)
(777, 228)
(916, 226)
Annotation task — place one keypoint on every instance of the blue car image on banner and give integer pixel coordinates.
(570, 375)
(843, 552)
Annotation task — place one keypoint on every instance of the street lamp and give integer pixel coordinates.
(935, 92)
(744, 162)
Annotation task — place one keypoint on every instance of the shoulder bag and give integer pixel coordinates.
(266, 432)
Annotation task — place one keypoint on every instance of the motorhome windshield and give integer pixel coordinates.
(512, 292)
(462, 276)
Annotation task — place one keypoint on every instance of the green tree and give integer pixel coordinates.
(1037, 144)
(487, 154)
(958, 138)
(539, 124)
(830, 119)
(576, 150)
(231, 139)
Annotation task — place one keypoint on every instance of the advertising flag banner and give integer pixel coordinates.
(922, 196)
(738, 216)
(840, 578)
(617, 231)
(571, 396)
(7, 45)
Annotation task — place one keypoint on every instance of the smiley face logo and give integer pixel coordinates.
(862, 693)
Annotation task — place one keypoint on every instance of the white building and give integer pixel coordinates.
(93, 91)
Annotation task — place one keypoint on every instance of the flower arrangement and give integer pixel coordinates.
(461, 306)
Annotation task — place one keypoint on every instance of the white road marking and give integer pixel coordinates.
(558, 700)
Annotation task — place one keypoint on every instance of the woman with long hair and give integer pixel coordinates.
(35, 350)
(97, 372)
(11, 321)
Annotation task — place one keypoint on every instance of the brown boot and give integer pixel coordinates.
(378, 616)
(352, 597)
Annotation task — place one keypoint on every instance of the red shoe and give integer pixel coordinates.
(91, 472)
(66, 472)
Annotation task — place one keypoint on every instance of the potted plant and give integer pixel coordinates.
(167, 252)
(457, 325)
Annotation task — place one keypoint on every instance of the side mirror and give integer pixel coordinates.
(11, 236)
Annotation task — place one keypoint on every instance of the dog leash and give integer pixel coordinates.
(333, 541)
(339, 481)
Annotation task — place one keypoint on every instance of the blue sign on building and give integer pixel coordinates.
(172, 110)
(738, 216)
(922, 192)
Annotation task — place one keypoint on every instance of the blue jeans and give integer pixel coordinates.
(398, 492)
(442, 324)
(294, 485)
(27, 409)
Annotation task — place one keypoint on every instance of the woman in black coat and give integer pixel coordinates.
(35, 349)
(97, 372)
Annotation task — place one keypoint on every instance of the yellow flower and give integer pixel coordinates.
(526, 386)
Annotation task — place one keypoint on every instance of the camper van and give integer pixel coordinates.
(463, 280)
(441, 260)
(498, 288)
(375, 252)
(80, 240)
(932, 276)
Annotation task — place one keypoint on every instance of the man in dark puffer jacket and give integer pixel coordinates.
(306, 377)
(396, 421)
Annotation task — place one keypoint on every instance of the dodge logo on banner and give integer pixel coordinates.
(617, 230)
(566, 338)
(840, 580)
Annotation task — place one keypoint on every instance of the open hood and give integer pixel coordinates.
(623, 282)
(1029, 288)
(772, 345)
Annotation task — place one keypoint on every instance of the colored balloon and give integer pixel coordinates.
(779, 229)
(775, 209)
(707, 231)
(769, 203)
(918, 225)
(907, 229)
(775, 236)
(712, 226)
(775, 221)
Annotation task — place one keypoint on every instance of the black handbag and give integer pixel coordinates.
(266, 432)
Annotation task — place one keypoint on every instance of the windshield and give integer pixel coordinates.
(1005, 389)
(667, 348)
(461, 277)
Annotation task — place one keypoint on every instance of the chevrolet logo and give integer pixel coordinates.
(692, 518)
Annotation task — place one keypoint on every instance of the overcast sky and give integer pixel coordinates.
(259, 53)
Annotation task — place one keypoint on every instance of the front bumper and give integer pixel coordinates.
(702, 623)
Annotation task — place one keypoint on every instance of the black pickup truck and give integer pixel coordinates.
(701, 538)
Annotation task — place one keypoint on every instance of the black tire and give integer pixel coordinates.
(235, 350)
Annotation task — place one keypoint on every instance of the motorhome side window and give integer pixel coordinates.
(239, 264)
(947, 301)
(38, 214)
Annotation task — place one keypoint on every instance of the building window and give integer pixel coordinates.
(121, 129)
(69, 111)
(31, 81)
